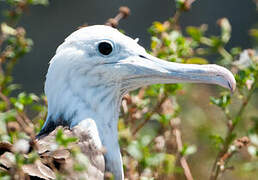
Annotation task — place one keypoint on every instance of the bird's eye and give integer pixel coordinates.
(105, 48)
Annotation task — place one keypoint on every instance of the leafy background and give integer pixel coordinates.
(166, 131)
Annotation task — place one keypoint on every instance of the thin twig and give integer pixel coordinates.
(6, 100)
(188, 3)
(215, 169)
(124, 12)
(21, 117)
(187, 6)
(183, 161)
(26, 119)
(153, 111)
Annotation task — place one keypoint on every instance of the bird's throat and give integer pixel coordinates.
(98, 107)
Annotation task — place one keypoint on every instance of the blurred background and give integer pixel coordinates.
(49, 26)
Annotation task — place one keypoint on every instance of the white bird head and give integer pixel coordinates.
(95, 67)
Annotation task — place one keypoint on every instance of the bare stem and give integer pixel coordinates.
(6, 100)
(124, 12)
(153, 111)
(183, 161)
(216, 169)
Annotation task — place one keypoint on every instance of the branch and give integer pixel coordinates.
(179, 143)
(153, 111)
(216, 165)
(6, 100)
(124, 12)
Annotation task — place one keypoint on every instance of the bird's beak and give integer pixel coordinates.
(145, 69)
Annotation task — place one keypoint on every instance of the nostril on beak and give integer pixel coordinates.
(141, 56)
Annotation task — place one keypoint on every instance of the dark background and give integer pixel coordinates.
(48, 26)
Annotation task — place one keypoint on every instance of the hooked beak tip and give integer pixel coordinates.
(227, 79)
(232, 85)
(231, 80)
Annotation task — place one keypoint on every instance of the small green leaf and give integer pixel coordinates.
(155, 159)
(180, 4)
(194, 32)
(196, 60)
(169, 163)
(217, 139)
(225, 29)
(190, 150)
(8, 30)
(63, 140)
(134, 150)
(19, 106)
(222, 102)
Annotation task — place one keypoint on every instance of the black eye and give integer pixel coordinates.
(105, 48)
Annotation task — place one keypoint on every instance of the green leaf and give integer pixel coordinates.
(196, 60)
(190, 150)
(164, 119)
(169, 163)
(215, 42)
(154, 90)
(32, 157)
(172, 88)
(134, 150)
(145, 139)
(155, 159)
(180, 4)
(225, 29)
(194, 32)
(10, 88)
(154, 42)
(8, 30)
(236, 51)
(38, 2)
(217, 139)
(222, 102)
(254, 32)
(63, 140)
(8, 116)
(19, 106)
(231, 138)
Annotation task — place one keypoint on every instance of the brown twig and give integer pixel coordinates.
(216, 166)
(188, 4)
(124, 12)
(182, 159)
(6, 100)
(238, 144)
(26, 118)
(153, 111)
(22, 119)
(186, 7)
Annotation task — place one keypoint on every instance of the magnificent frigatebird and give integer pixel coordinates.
(94, 68)
(88, 76)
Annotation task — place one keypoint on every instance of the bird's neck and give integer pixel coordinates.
(99, 107)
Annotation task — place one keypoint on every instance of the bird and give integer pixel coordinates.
(89, 75)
